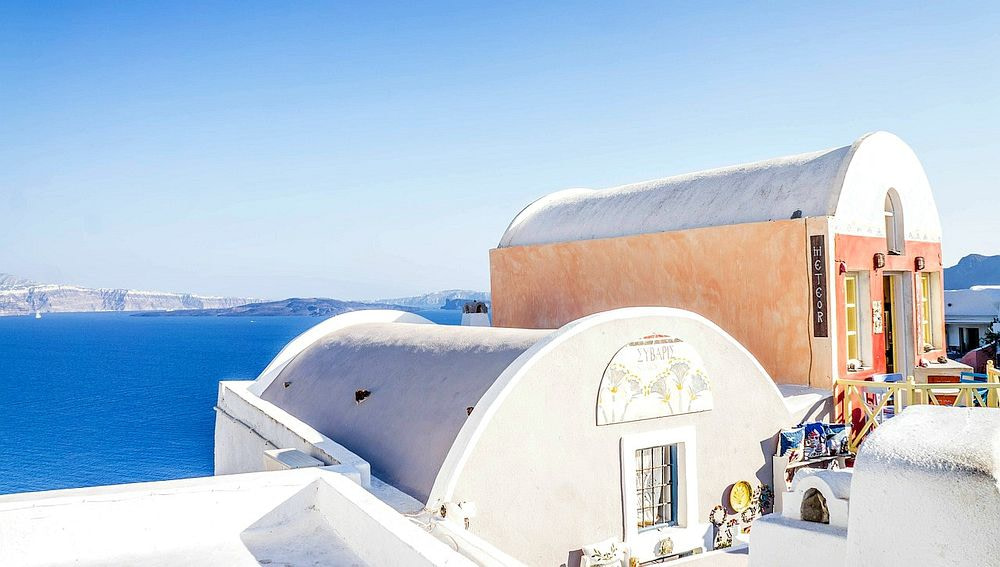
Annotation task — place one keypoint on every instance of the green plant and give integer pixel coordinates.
(992, 333)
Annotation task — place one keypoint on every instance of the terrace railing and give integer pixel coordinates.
(866, 404)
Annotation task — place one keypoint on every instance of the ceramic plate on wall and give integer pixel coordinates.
(740, 496)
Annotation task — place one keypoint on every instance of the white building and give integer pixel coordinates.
(969, 314)
(535, 443)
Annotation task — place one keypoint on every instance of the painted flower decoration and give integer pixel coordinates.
(654, 377)
(619, 388)
(679, 370)
(698, 383)
(620, 381)
(660, 385)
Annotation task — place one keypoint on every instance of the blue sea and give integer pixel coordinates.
(106, 398)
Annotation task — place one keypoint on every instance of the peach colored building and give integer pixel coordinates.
(824, 265)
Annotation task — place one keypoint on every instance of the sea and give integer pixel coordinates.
(106, 398)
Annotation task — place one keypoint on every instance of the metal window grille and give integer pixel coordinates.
(656, 486)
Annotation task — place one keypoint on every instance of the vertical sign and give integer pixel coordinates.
(817, 266)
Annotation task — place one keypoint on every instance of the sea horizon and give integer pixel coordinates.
(107, 398)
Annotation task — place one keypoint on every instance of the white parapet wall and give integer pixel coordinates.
(778, 541)
(311, 516)
(925, 490)
(834, 486)
(246, 427)
(476, 320)
(787, 539)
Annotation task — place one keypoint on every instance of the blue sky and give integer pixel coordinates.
(359, 150)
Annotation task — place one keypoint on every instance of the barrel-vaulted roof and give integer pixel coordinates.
(420, 381)
(848, 183)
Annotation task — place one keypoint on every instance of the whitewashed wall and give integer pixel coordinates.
(532, 449)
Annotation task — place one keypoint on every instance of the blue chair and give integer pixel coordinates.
(973, 378)
(889, 410)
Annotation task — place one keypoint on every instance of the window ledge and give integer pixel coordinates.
(659, 527)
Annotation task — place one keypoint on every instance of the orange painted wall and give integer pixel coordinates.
(750, 279)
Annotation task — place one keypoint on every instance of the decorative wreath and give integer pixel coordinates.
(766, 498)
(717, 516)
(748, 515)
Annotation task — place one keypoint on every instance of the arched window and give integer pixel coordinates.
(894, 235)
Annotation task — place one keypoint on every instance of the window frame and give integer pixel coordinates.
(895, 237)
(851, 279)
(686, 531)
(862, 316)
(928, 310)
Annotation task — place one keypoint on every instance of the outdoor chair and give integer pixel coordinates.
(972, 378)
(879, 393)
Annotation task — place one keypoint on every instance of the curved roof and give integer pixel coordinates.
(982, 304)
(605, 332)
(814, 183)
(422, 377)
(320, 330)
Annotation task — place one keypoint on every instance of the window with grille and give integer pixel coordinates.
(656, 486)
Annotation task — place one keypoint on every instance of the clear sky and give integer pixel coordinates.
(359, 150)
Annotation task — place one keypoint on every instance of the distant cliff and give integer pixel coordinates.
(22, 297)
(448, 299)
(971, 270)
(313, 306)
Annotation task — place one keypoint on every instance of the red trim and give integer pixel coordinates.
(857, 253)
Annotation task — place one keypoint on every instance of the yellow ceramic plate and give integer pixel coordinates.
(740, 496)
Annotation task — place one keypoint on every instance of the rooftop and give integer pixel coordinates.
(292, 518)
(978, 304)
(849, 182)
(420, 381)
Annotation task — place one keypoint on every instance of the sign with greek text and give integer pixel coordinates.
(820, 298)
(656, 376)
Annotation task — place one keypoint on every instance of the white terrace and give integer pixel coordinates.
(310, 516)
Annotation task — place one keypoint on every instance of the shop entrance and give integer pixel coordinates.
(888, 310)
(968, 339)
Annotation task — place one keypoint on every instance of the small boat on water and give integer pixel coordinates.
(38, 314)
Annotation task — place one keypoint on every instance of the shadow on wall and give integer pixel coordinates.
(769, 448)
